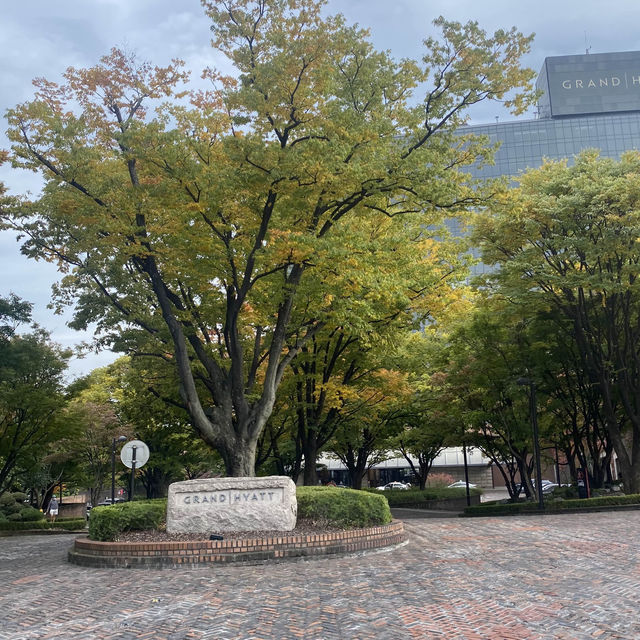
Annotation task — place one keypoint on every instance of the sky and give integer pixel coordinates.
(41, 38)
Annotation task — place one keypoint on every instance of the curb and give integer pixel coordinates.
(40, 532)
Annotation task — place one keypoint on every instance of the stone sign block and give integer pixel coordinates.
(232, 504)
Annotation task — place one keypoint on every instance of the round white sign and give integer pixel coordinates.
(142, 453)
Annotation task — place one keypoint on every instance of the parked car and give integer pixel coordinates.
(393, 485)
(107, 501)
(547, 486)
(460, 483)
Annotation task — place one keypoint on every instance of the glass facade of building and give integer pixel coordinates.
(589, 102)
(525, 144)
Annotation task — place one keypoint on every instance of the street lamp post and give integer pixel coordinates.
(533, 412)
(113, 466)
(466, 472)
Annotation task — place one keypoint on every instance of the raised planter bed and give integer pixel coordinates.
(90, 553)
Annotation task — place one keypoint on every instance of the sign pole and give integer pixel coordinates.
(133, 472)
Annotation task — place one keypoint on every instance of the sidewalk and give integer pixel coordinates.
(557, 577)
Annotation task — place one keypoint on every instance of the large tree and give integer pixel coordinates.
(568, 239)
(190, 231)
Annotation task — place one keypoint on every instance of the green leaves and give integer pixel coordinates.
(224, 233)
(31, 395)
(566, 244)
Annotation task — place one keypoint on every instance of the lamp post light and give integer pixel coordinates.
(533, 412)
(113, 466)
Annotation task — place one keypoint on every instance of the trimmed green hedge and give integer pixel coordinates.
(31, 514)
(105, 523)
(397, 497)
(552, 505)
(343, 507)
(6, 499)
(71, 524)
(338, 507)
(14, 509)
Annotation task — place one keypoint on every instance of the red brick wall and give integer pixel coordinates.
(128, 554)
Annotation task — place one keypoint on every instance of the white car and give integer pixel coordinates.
(547, 486)
(460, 483)
(393, 485)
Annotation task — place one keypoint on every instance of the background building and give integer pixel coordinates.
(450, 461)
(589, 101)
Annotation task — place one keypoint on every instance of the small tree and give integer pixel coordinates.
(31, 393)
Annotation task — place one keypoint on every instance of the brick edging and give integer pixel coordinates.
(91, 553)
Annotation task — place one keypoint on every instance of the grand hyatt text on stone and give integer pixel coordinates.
(232, 504)
(233, 497)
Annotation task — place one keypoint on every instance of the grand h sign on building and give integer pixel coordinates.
(592, 83)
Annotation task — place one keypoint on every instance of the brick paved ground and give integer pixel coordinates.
(566, 577)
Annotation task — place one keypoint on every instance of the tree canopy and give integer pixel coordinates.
(221, 230)
(566, 242)
(31, 392)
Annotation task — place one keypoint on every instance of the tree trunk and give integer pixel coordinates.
(154, 481)
(240, 457)
(356, 476)
(357, 468)
(632, 484)
(310, 458)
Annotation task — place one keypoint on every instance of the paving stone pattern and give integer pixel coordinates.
(565, 577)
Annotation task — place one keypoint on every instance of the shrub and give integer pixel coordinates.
(439, 480)
(71, 524)
(566, 492)
(552, 506)
(29, 514)
(6, 499)
(12, 508)
(106, 523)
(342, 507)
(419, 497)
(604, 501)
